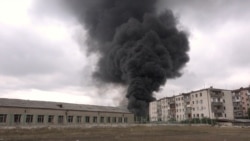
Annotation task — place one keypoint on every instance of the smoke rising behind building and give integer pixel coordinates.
(139, 48)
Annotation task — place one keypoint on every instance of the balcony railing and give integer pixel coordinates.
(248, 93)
(218, 110)
(188, 111)
(217, 103)
(187, 99)
(216, 94)
(236, 100)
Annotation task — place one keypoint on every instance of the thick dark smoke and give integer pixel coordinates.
(138, 48)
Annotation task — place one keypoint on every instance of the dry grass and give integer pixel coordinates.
(137, 133)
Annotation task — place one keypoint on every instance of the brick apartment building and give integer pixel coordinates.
(241, 102)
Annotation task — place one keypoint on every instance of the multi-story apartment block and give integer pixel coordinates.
(241, 102)
(211, 103)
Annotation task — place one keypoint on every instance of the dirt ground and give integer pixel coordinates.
(136, 133)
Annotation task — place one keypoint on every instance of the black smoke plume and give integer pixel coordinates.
(139, 48)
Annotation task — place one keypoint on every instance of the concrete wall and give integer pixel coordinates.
(11, 112)
(229, 111)
(153, 114)
(164, 109)
(180, 108)
(200, 104)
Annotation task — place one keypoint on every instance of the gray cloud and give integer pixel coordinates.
(219, 55)
(31, 61)
(219, 35)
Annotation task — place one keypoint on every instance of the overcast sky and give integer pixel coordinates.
(40, 57)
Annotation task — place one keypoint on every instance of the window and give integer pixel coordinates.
(40, 118)
(224, 101)
(114, 119)
(120, 119)
(17, 118)
(94, 119)
(79, 119)
(102, 120)
(3, 118)
(225, 115)
(224, 108)
(198, 115)
(29, 118)
(125, 120)
(196, 95)
(60, 119)
(87, 119)
(70, 119)
(200, 94)
(108, 119)
(194, 115)
(202, 115)
(50, 119)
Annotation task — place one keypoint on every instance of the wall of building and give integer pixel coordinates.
(245, 101)
(164, 107)
(200, 104)
(180, 108)
(153, 114)
(69, 117)
(228, 105)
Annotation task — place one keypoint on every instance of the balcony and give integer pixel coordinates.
(218, 110)
(188, 111)
(248, 93)
(217, 103)
(237, 100)
(216, 94)
(171, 102)
(187, 99)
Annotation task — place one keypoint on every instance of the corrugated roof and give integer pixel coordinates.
(4, 102)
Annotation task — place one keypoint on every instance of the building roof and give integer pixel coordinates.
(242, 89)
(4, 102)
(188, 93)
(210, 88)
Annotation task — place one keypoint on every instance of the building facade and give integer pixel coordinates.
(241, 102)
(206, 103)
(15, 112)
